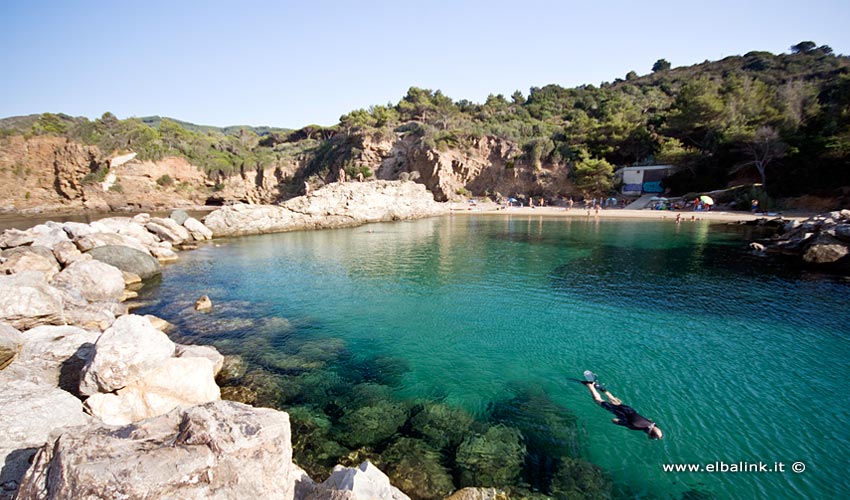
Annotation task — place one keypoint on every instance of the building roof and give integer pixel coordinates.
(647, 167)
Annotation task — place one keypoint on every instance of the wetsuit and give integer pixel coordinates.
(628, 417)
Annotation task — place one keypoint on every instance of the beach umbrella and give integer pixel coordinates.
(706, 199)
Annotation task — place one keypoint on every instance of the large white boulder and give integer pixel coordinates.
(200, 351)
(94, 240)
(364, 482)
(29, 413)
(51, 355)
(172, 383)
(23, 261)
(123, 354)
(197, 229)
(94, 280)
(220, 450)
(26, 300)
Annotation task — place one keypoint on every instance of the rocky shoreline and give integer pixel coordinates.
(820, 242)
(82, 377)
(99, 402)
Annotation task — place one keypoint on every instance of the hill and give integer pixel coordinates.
(782, 121)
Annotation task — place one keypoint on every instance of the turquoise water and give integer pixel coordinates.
(737, 357)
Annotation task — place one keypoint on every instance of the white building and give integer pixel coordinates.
(640, 180)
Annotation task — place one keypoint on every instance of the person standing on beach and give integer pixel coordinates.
(754, 205)
(306, 188)
(341, 175)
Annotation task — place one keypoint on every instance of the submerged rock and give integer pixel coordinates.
(369, 425)
(415, 468)
(441, 425)
(479, 494)
(492, 459)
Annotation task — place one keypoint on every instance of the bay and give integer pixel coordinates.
(739, 358)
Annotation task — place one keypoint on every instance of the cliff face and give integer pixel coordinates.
(488, 166)
(44, 172)
(49, 174)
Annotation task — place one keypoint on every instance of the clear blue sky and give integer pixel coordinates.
(293, 63)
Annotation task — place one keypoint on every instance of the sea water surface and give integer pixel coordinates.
(738, 358)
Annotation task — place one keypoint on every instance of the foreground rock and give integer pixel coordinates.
(26, 300)
(134, 374)
(363, 482)
(822, 240)
(217, 450)
(335, 205)
(29, 412)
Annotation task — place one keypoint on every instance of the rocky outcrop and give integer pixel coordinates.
(34, 400)
(483, 166)
(48, 174)
(179, 439)
(29, 413)
(822, 240)
(46, 171)
(335, 205)
(217, 450)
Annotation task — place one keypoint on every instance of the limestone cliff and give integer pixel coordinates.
(50, 174)
(53, 174)
(485, 166)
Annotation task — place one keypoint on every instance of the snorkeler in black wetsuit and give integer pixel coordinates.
(626, 415)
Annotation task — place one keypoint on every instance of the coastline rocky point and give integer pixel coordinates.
(82, 377)
(820, 241)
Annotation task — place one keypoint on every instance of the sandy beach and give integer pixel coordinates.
(617, 213)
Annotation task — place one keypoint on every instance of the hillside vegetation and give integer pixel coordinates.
(779, 120)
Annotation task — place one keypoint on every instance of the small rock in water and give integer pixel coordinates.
(203, 304)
